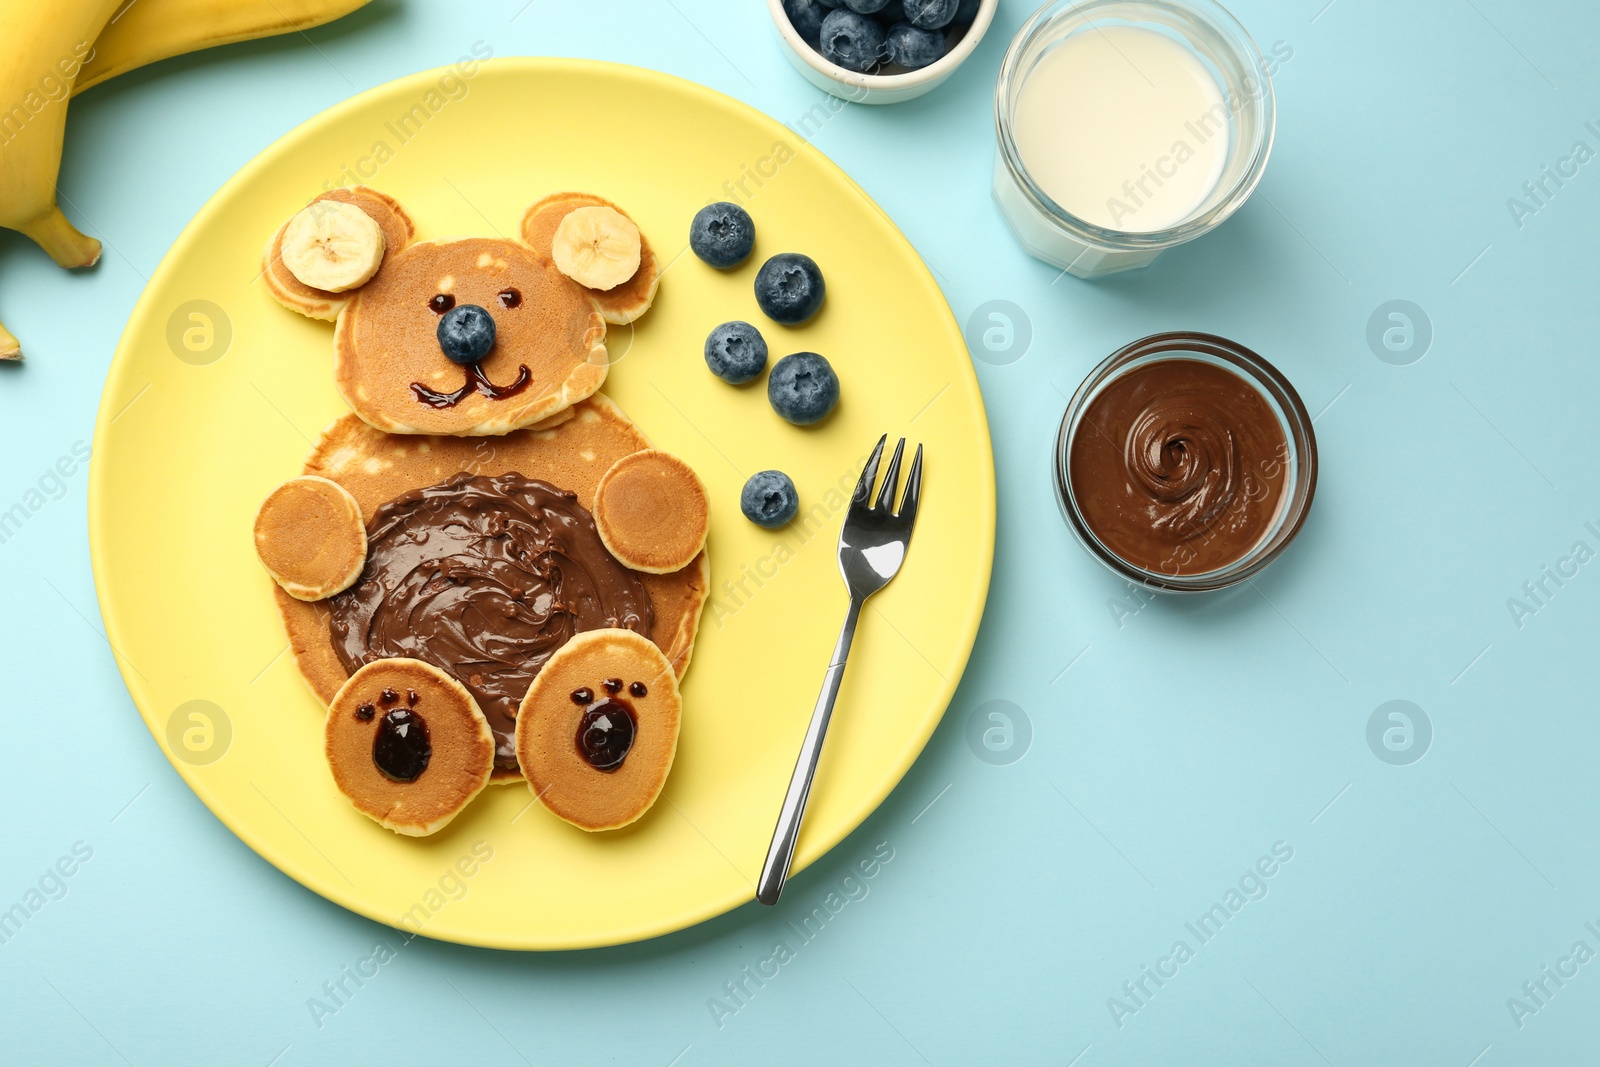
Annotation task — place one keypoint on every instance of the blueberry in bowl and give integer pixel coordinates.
(851, 40)
(789, 288)
(803, 389)
(879, 51)
(913, 47)
(930, 14)
(806, 18)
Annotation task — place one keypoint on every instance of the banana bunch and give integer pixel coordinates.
(52, 51)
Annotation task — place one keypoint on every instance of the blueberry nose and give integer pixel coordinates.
(466, 333)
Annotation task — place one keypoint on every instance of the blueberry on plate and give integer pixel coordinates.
(789, 287)
(912, 46)
(931, 14)
(967, 10)
(864, 7)
(466, 333)
(736, 352)
(852, 41)
(806, 18)
(722, 234)
(769, 499)
(894, 11)
(803, 388)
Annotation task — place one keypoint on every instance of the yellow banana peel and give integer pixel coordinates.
(151, 30)
(42, 49)
(51, 51)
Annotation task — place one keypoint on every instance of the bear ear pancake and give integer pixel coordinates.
(618, 306)
(294, 294)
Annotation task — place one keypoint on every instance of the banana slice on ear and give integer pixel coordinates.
(332, 246)
(597, 247)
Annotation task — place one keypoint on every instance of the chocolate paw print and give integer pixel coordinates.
(598, 730)
(407, 745)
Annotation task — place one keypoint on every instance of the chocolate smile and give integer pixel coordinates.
(476, 382)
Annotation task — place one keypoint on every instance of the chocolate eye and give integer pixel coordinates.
(441, 303)
(510, 298)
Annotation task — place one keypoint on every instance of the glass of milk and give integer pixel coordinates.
(1126, 127)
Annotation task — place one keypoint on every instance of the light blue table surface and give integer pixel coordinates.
(1169, 746)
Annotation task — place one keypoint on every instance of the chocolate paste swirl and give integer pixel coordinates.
(1178, 466)
(484, 578)
(1183, 455)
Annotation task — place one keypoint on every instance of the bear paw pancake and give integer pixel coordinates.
(407, 745)
(652, 512)
(597, 732)
(310, 537)
(620, 304)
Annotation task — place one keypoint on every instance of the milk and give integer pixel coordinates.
(1122, 126)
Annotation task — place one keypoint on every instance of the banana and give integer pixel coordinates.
(332, 246)
(51, 51)
(597, 247)
(42, 47)
(150, 30)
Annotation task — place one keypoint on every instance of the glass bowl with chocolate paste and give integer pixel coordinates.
(1185, 462)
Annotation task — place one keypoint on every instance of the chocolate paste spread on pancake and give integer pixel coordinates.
(484, 578)
(1179, 466)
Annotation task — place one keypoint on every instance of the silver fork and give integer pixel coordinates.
(872, 546)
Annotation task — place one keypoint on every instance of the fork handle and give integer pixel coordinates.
(781, 853)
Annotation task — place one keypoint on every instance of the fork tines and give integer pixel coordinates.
(891, 478)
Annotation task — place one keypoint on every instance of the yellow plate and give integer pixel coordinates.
(216, 394)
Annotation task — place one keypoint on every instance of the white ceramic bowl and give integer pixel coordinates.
(877, 88)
